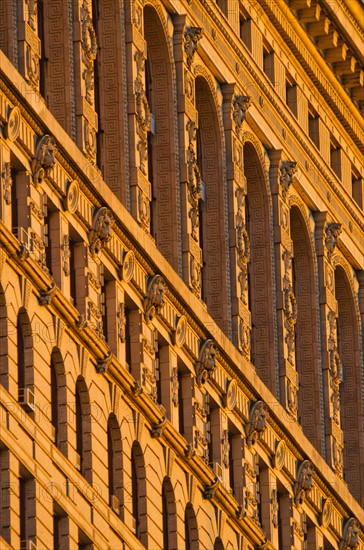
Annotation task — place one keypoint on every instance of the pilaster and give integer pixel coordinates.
(282, 173)
(234, 112)
(85, 52)
(139, 117)
(186, 43)
(326, 239)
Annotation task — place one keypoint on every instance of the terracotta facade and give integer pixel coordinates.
(181, 274)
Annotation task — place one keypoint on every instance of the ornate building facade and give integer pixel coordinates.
(181, 274)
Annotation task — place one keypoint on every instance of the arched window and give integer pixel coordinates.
(169, 516)
(25, 361)
(191, 529)
(350, 388)
(260, 277)
(138, 479)
(58, 400)
(212, 217)
(306, 330)
(110, 102)
(83, 429)
(115, 469)
(218, 545)
(162, 159)
(3, 341)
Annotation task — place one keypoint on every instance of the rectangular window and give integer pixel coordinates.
(245, 27)
(313, 126)
(335, 157)
(291, 94)
(357, 188)
(268, 61)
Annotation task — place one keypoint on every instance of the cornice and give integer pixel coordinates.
(315, 65)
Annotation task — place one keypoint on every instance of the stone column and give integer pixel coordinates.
(186, 43)
(326, 239)
(281, 174)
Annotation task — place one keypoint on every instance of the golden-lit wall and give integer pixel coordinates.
(181, 275)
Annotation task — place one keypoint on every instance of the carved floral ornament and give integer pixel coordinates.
(304, 482)
(192, 36)
(257, 422)
(332, 232)
(241, 104)
(44, 159)
(206, 363)
(351, 533)
(155, 299)
(100, 233)
(288, 168)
